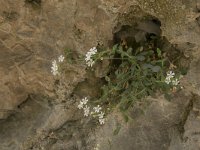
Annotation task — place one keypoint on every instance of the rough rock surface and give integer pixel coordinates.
(34, 32)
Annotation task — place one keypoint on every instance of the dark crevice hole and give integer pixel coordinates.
(34, 2)
(145, 33)
(148, 35)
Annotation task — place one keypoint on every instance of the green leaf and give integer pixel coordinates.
(125, 116)
(147, 66)
(68, 55)
(132, 69)
(183, 70)
(117, 72)
(140, 58)
(116, 131)
(129, 51)
(156, 68)
(159, 52)
(107, 78)
(147, 53)
(115, 47)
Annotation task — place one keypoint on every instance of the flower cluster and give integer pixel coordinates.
(89, 60)
(170, 78)
(95, 113)
(54, 67)
(61, 58)
(83, 105)
(101, 118)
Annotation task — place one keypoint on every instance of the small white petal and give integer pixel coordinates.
(61, 58)
(54, 68)
(175, 82)
(168, 80)
(86, 111)
(80, 106)
(101, 115)
(170, 74)
(85, 100)
(97, 109)
(102, 121)
(89, 61)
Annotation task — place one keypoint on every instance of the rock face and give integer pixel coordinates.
(34, 32)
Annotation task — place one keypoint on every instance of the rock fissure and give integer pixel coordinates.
(185, 116)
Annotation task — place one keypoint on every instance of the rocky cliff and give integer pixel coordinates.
(34, 32)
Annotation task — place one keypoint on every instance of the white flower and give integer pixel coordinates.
(87, 58)
(93, 50)
(97, 109)
(170, 74)
(89, 61)
(86, 111)
(101, 115)
(167, 80)
(80, 106)
(54, 68)
(85, 100)
(101, 121)
(175, 82)
(61, 58)
(101, 118)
